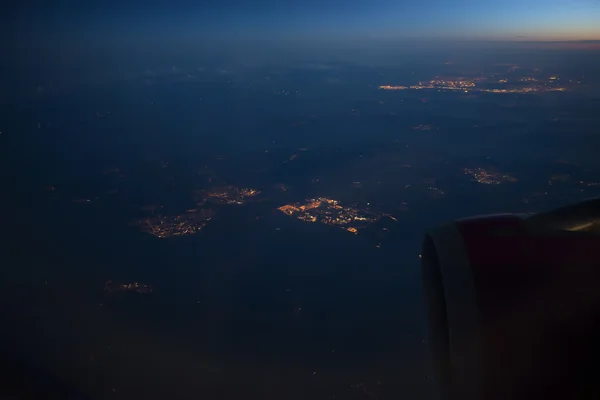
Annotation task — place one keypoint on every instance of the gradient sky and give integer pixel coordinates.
(471, 19)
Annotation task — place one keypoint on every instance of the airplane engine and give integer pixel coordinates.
(513, 304)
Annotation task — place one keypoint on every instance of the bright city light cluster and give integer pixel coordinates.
(329, 212)
(482, 84)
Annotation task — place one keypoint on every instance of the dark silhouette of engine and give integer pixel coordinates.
(514, 304)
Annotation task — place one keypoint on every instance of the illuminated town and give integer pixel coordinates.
(329, 212)
(475, 85)
(135, 287)
(188, 223)
(193, 220)
(229, 195)
(480, 175)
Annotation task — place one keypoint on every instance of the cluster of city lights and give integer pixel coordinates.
(329, 212)
(471, 85)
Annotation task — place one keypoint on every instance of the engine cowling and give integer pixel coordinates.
(514, 304)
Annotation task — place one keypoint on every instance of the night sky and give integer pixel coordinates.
(52, 43)
(340, 19)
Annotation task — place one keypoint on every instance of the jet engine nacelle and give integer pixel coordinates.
(514, 304)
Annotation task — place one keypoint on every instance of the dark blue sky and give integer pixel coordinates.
(66, 41)
(473, 19)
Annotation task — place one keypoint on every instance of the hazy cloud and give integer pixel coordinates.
(319, 67)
